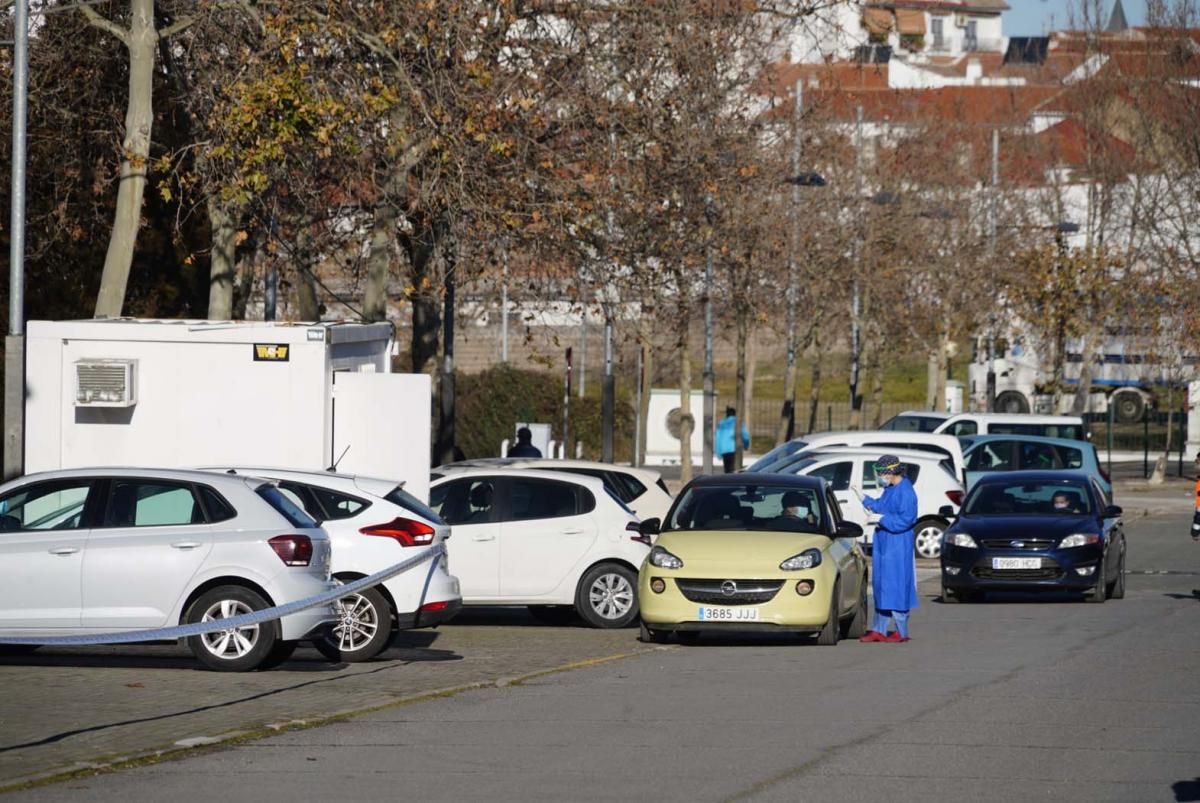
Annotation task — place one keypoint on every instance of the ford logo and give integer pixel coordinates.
(1016, 544)
(729, 588)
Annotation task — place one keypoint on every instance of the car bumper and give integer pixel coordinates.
(972, 569)
(431, 614)
(786, 610)
(411, 595)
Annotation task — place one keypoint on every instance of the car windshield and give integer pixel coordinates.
(747, 507)
(913, 423)
(793, 466)
(780, 453)
(1064, 498)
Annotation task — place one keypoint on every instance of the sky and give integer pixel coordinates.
(1039, 17)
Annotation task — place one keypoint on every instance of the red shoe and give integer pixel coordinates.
(895, 638)
(873, 635)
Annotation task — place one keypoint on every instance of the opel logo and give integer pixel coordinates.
(729, 588)
(1016, 544)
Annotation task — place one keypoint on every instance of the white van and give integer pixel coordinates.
(942, 444)
(1070, 427)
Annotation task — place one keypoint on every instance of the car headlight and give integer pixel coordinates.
(1079, 539)
(962, 540)
(663, 559)
(808, 559)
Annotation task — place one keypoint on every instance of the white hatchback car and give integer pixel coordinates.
(641, 489)
(109, 550)
(546, 539)
(373, 524)
(932, 477)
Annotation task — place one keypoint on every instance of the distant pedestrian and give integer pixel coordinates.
(524, 447)
(893, 561)
(725, 445)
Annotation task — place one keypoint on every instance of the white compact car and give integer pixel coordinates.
(931, 475)
(884, 441)
(373, 524)
(641, 489)
(546, 539)
(89, 551)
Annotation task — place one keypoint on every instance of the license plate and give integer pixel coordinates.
(1016, 563)
(705, 614)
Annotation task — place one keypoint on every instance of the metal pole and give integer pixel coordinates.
(855, 303)
(990, 388)
(1110, 438)
(14, 348)
(566, 429)
(709, 379)
(446, 434)
(583, 338)
(1145, 444)
(1182, 431)
(637, 415)
(787, 415)
(504, 308)
(608, 391)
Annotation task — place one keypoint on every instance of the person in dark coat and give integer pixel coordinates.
(893, 561)
(524, 447)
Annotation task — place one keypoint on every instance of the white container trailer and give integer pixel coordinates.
(194, 393)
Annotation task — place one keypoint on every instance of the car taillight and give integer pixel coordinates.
(293, 550)
(406, 531)
(434, 607)
(956, 497)
(638, 536)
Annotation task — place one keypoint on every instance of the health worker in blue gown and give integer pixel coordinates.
(893, 562)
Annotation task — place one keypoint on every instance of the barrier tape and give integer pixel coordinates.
(242, 620)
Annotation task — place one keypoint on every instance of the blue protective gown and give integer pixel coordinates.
(893, 562)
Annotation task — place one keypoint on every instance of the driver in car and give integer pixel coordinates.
(1062, 504)
(794, 513)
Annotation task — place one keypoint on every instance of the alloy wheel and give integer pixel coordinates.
(611, 596)
(357, 623)
(235, 642)
(928, 541)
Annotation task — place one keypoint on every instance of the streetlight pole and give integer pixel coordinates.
(787, 416)
(709, 379)
(990, 390)
(14, 347)
(855, 302)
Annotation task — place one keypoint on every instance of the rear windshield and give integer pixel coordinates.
(913, 423)
(1063, 498)
(1073, 432)
(401, 497)
(286, 507)
(776, 455)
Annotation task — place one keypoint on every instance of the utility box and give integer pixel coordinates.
(161, 393)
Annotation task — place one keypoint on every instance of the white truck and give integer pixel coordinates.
(1124, 371)
(172, 393)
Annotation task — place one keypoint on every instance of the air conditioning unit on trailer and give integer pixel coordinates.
(105, 383)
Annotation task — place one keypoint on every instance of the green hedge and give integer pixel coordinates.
(491, 402)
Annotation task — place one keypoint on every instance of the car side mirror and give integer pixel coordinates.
(947, 512)
(650, 526)
(1112, 511)
(848, 529)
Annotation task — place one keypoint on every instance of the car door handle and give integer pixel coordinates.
(573, 531)
(185, 544)
(483, 538)
(64, 550)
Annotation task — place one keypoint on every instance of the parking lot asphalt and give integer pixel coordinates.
(1021, 698)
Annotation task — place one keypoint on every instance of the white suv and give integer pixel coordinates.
(931, 475)
(373, 524)
(91, 551)
(547, 539)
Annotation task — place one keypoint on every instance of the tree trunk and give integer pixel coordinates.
(425, 303)
(309, 306)
(743, 331)
(222, 260)
(814, 390)
(646, 339)
(1159, 475)
(876, 390)
(942, 368)
(383, 234)
(1083, 390)
(751, 370)
(686, 421)
(141, 40)
(787, 412)
(931, 373)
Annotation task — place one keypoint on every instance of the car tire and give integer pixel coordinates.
(362, 631)
(279, 653)
(651, 636)
(857, 626)
(927, 538)
(1011, 401)
(554, 615)
(1100, 592)
(1128, 407)
(1116, 589)
(607, 596)
(950, 597)
(828, 637)
(241, 651)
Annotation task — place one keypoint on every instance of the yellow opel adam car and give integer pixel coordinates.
(763, 552)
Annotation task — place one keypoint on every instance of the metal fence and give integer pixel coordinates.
(831, 416)
(1149, 437)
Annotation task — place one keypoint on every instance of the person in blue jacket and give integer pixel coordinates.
(893, 562)
(724, 444)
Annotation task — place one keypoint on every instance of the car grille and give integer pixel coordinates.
(744, 592)
(1033, 544)
(1049, 571)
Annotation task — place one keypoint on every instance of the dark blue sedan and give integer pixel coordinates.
(1035, 530)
